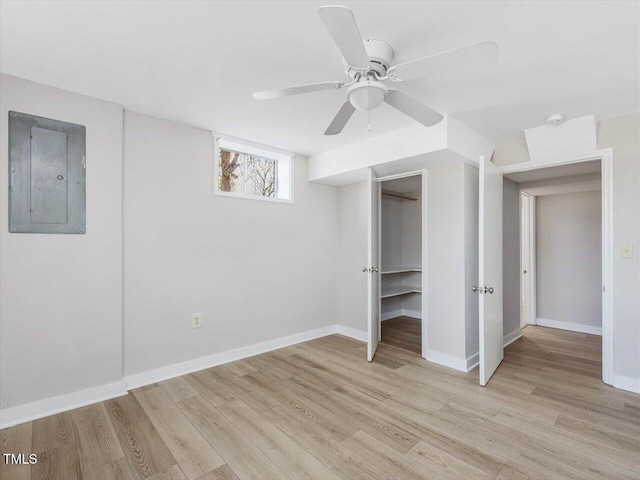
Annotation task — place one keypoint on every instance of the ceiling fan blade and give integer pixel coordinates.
(411, 107)
(344, 31)
(284, 92)
(459, 58)
(341, 119)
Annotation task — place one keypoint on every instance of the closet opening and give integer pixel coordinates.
(401, 260)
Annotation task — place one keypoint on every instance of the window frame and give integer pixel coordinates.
(259, 150)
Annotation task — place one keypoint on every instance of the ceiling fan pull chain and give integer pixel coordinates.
(369, 112)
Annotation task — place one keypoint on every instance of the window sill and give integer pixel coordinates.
(254, 197)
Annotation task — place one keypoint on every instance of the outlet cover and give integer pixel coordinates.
(196, 320)
(627, 250)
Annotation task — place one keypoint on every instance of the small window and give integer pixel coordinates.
(248, 171)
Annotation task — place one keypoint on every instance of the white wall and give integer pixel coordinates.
(510, 256)
(569, 258)
(412, 230)
(412, 250)
(391, 252)
(452, 258)
(621, 133)
(403, 150)
(255, 270)
(61, 295)
(391, 232)
(446, 245)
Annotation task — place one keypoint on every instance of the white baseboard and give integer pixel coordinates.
(509, 338)
(50, 406)
(447, 360)
(175, 370)
(411, 313)
(473, 361)
(574, 327)
(625, 383)
(389, 315)
(403, 312)
(360, 335)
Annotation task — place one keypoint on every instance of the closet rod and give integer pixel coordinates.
(397, 195)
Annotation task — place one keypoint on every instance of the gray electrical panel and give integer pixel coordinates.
(47, 175)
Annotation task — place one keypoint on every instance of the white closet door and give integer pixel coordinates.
(373, 284)
(490, 268)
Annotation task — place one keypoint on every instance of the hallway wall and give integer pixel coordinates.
(569, 261)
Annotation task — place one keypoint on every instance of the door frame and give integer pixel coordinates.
(605, 156)
(528, 259)
(423, 295)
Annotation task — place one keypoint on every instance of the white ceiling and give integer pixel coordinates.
(198, 62)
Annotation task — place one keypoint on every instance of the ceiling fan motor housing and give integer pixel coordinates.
(380, 55)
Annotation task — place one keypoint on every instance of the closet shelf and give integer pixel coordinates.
(391, 270)
(396, 290)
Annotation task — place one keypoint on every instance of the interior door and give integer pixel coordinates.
(490, 269)
(528, 263)
(524, 258)
(373, 330)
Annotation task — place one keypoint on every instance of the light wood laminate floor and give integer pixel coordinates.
(403, 332)
(318, 410)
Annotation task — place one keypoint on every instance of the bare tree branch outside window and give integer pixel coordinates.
(230, 162)
(261, 176)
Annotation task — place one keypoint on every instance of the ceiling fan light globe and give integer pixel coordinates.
(367, 95)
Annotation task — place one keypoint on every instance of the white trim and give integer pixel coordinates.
(605, 155)
(250, 197)
(411, 313)
(62, 403)
(175, 370)
(389, 315)
(626, 383)
(607, 264)
(473, 361)
(425, 254)
(509, 338)
(564, 188)
(554, 161)
(413, 173)
(447, 360)
(574, 327)
(50, 406)
(379, 261)
(402, 312)
(254, 145)
(359, 335)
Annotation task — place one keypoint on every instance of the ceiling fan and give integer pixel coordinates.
(368, 65)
